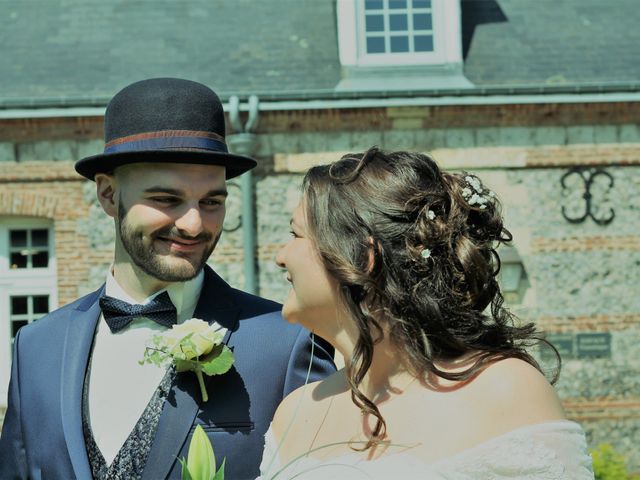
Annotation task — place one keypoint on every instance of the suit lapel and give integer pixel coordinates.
(182, 404)
(81, 327)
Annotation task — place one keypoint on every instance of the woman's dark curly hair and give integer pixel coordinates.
(415, 256)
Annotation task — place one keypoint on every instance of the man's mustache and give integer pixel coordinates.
(174, 233)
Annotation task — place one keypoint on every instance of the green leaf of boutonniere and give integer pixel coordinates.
(220, 473)
(219, 361)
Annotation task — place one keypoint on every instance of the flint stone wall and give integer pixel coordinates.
(583, 277)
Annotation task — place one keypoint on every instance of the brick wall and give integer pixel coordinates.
(54, 191)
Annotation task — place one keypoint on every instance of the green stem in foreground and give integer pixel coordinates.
(203, 390)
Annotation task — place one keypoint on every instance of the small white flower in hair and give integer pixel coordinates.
(431, 214)
(478, 196)
(474, 182)
(477, 200)
(425, 253)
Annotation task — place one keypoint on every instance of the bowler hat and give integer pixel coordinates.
(166, 120)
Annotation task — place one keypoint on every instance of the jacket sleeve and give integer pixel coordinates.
(303, 363)
(13, 459)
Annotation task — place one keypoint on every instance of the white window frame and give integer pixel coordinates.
(21, 282)
(447, 37)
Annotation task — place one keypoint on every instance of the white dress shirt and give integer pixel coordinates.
(119, 387)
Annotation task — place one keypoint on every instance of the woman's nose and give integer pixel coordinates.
(280, 258)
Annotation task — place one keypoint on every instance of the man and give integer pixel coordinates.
(80, 404)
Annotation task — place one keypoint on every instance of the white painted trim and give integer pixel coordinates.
(17, 113)
(346, 19)
(449, 101)
(453, 32)
(370, 102)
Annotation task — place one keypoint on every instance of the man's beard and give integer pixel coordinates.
(151, 262)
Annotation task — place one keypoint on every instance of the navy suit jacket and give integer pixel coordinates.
(42, 434)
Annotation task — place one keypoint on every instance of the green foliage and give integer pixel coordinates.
(220, 473)
(608, 464)
(217, 362)
(185, 470)
(201, 461)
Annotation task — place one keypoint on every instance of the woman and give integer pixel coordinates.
(393, 261)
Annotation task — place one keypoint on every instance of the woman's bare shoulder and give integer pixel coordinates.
(305, 406)
(515, 393)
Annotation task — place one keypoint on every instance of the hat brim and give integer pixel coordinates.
(108, 162)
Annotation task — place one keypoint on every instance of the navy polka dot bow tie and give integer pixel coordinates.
(119, 314)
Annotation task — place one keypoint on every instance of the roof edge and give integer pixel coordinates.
(325, 99)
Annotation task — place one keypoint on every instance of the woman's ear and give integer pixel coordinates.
(105, 191)
(371, 262)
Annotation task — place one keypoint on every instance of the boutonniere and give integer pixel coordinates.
(194, 346)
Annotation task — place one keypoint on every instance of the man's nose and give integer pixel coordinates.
(190, 223)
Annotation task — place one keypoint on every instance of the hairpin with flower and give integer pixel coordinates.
(475, 194)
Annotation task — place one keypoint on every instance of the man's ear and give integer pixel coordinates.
(105, 190)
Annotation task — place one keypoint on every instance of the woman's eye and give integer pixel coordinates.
(294, 234)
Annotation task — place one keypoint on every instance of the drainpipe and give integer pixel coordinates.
(246, 143)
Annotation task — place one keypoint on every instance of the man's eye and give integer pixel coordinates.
(166, 200)
(212, 202)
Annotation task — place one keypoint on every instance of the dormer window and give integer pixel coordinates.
(399, 32)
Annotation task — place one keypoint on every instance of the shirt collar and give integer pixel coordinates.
(184, 295)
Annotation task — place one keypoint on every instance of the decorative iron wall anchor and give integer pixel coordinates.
(588, 175)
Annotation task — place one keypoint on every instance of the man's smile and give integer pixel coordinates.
(181, 244)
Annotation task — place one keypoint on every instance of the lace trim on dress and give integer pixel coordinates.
(551, 450)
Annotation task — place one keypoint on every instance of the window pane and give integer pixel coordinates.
(399, 44)
(19, 305)
(39, 238)
(16, 325)
(18, 260)
(375, 23)
(373, 4)
(398, 22)
(375, 44)
(40, 260)
(397, 3)
(40, 304)
(421, 3)
(422, 21)
(18, 238)
(423, 43)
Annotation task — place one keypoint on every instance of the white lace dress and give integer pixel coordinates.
(552, 450)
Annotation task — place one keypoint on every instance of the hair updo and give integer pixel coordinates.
(413, 249)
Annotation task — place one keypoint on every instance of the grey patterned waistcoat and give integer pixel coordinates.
(131, 458)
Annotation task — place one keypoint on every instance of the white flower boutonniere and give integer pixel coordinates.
(194, 346)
